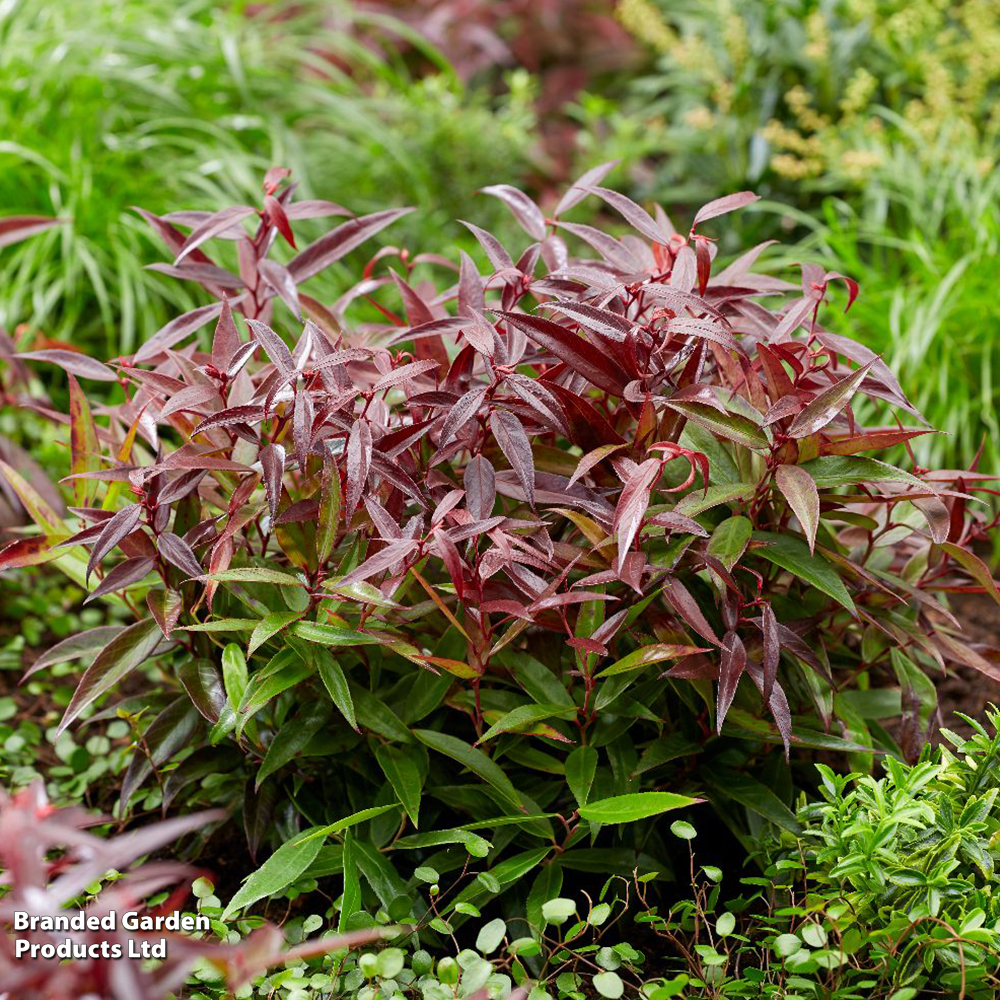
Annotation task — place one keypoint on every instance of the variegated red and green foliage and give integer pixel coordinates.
(587, 519)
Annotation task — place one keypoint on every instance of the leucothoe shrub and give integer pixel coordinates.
(483, 567)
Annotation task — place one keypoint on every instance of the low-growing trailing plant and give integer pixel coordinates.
(485, 572)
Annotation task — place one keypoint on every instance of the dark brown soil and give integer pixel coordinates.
(966, 690)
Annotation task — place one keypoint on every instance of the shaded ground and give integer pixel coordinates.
(966, 690)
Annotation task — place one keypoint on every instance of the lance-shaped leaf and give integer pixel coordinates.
(634, 806)
(514, 443)
(480, 480)
(165, 606)
(176, 551)
(583, 186)
(339, 242)
(275, 348)
(114, 530)
(527, 213)
(642, 657)
(580, 354)
(772, 651)
(405, 772)
(85, 452)
(463, 410)
(522, 716)
(328, 526)
(817, 414)
(637, 217)
(720, 206)
(359, 459)
(469, 757)
(632, 504)
(129, 649)
(125, 573)
(602, 321)
(14, 228)
(177, 330)
(731, 666)
(272, 463)
(793, 554)
(976, 568)
(731, 426)
(386, 558)
(799, 489)
(214, 226)
(73, 363)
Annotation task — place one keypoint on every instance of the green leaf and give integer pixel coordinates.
(405, 772)
(376, 716)
(490, 935)
(477, 846)
(222, 625)
(729, 540)
(655, 653)
(292, 738)
(361, 816)
(129, 649)
(471, 758)
(331, 673)
(271, 625)
(754, 795)
(831, 471)
(609, 984)
(581, 766)
(254, 574)
(525, 715)
(635, 806)
(261, 691)
(351, 900)
(333, 635)
(280, 870)
(732, 426)
(698, 501)
(793, 554)
(546, 886)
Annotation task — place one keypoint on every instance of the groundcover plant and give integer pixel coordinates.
(448, 590)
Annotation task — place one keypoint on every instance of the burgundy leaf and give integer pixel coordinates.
(731, 667)
(233, 415)
(527, 213)
(121, 576)
(177, 330)
(339, 242)
(112, 532)
(817, 414)
(686, 607)
(579, 354)
(603, 321)
(632, 504)
(460, 413)
(214, 226)
(480, 487)
(275, 348)
(583, 185)
(359, 458)
(638, 218)
(772, 650)
(498, 256)
(720, 206)
(514, 443)
(384, 559)
(175, 550)
(15, 228)
(76, 364)
(272, 462)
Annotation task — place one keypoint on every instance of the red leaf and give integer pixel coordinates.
(828, 404)
(583, 185)
(638, 218)
(460, 413)
(359, 458)
(214, 226)
(772, 650)
(579, 354)
(279, 219)
(15, 228)
(176, 330)
(341, 241)
(113, 531)
(175, 550)
(76, 364)
(480, 487)
(495, 250)
(720, 206)
(527, 213)
(272, 463)
(731, 667)
(632, 504)
(514, 443)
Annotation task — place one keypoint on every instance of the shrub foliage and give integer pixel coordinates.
(484, 570)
